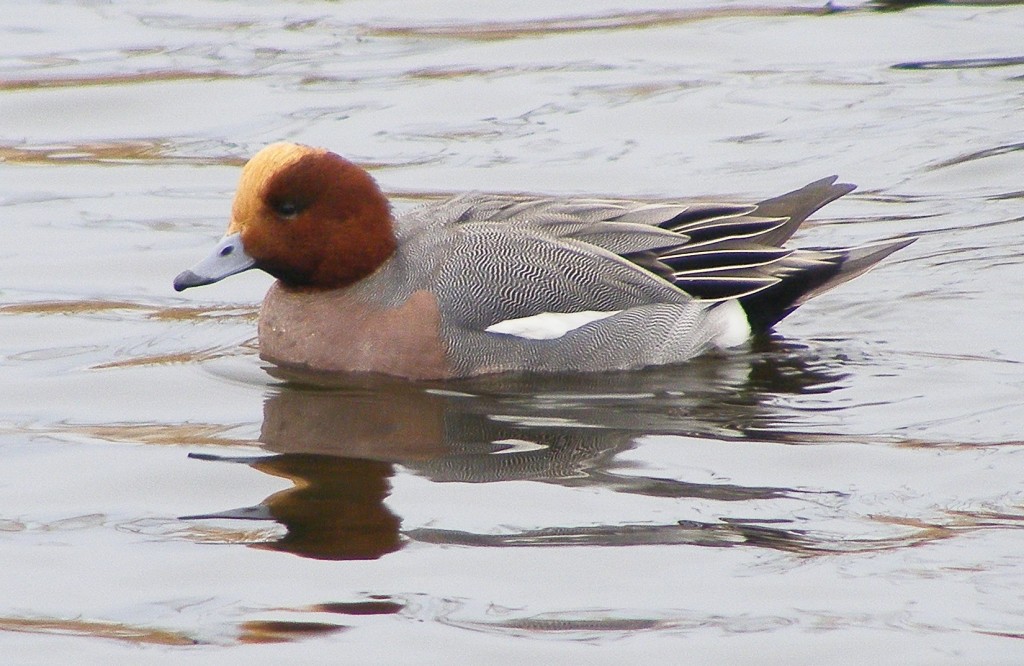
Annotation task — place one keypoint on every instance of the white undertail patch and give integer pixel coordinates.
(548, 325)
(733, 325)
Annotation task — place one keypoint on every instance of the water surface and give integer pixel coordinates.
(847, 490)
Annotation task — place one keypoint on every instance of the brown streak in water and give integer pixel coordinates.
(113, 79)
(467, 72)
(954, 446)
(112, 630)
(370, 607)
(118, 153)
(281, 631)
(226, 536)
(986, 519)
(68, 307)
(493, 31)
(168, 359)
(449, 73)
(171, 314)
(191, 434)
(924, 532)
(92, 306)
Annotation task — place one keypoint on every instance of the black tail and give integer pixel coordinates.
(736, 252)
(806, 273)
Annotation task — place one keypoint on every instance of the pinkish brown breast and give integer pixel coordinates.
(335, 331)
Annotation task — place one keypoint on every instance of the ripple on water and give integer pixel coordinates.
(850, 486)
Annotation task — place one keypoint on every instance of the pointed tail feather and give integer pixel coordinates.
(807, 273)
(857, 261)
(798, 205)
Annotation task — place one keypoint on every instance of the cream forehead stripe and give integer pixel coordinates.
(258, 171)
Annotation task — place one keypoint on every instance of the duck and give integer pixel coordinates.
(498, 283)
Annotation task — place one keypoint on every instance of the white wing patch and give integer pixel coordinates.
(548, 325)
(516, 446)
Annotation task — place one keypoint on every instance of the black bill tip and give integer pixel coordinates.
(188, 279)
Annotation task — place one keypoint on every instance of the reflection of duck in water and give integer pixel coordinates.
(487, 284)
(335, 511)
(339, 445)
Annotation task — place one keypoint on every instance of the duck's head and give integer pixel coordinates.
(307, 216)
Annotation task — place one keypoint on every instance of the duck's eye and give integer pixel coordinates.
(286, 208)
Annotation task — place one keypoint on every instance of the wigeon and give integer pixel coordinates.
(486, 283)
